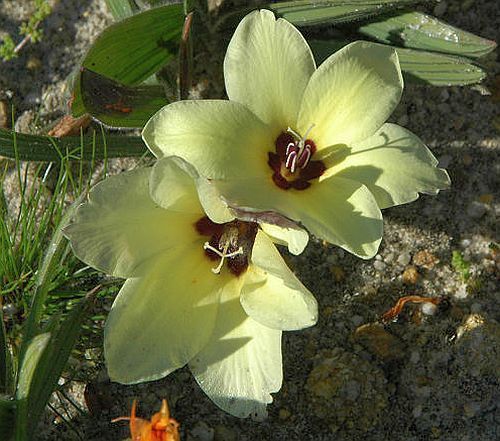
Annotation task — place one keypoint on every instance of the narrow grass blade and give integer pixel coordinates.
(417, 30)
(57, 247)
(88, 147)
(418, 66)
(133, 49)
(117, 105)
(314, 12)
(121, 9)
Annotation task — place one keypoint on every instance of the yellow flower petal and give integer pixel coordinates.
(351, 94)
(162, 320)
(395, 165)
(296, 239)
(120, 229)
(267, 66)
(338, 210)
(241, 364)
(219, 138)
(272, 295)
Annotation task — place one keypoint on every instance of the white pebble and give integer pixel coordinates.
(429, 308)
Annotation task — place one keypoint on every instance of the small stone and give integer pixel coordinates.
(428, 308)
(357, 320)
(376, 340)
(476, 210)
(440, 9)
(475, 308)
(471, 409)
(445, 161)
(486, 198)
(465, 243)
(425, 259)
(223, 433)
(33, 63)
(403, 120)
(417, 411)
(404, 259)
(338, 273)
(415, 357)
(410, 275)
(379, 265)
(347, 391)
(284, 414)
(202, 432)
(9, 309)
(467, 159)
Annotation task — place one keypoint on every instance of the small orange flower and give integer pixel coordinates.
(160, 428)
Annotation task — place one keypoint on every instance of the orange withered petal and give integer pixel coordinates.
(160, 428)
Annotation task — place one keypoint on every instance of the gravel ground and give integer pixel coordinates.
(432, 374)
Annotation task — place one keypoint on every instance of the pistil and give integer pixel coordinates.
(222, 254)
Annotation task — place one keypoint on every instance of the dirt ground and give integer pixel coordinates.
(434, 373)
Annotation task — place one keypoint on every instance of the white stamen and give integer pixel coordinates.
(291, 161)
(289, 148)
(306, 152)
(222, 254)
(295, 156)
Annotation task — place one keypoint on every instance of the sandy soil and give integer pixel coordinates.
(433, 374)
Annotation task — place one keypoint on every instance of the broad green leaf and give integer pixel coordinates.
(29, 364)
(121, 9)
(53, 361)
(117, 105)
(133, 49)
(7, 418)
(88, 147)
(421, 31)
(314, 12)
(418, 66)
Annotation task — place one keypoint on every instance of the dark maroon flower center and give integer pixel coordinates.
(292, 163)
(231, 242)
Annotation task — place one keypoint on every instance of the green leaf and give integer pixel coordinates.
(117, 105)
(53, 360)
(34, 351)
(88, 147)
(7, 418)
(421, 31)
(135, 48)
(29, 364)
(314, 12)
(418, 66)
(121, 9)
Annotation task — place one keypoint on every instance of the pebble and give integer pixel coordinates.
(410, 275)
(9, 309)
(202, 432)
(445, 161)
(428, 308)
(417, 411)
(471, 409)
(425, 259)
(379, 342)
(404, 258)
(476, 210)
(379, 265)
(223, 433)
(284, 414)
